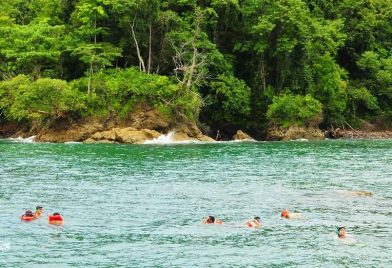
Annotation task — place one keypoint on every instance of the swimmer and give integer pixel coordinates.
(38, 212)
(56, 219)
(254, 223)
(212, 220)
(27, 216)
(289, 215)
(341, 232)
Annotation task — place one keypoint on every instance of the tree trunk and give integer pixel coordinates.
(262, 74)
(149, 50)
(142, 67)
(192, 68)
(89, 79)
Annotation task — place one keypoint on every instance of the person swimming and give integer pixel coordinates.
(212, 220)
(38, 212)
(341, 232)
(289, 215)
(55, 219)
(254, 223)
(27, 216)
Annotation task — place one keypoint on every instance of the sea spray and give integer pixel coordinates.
(23, 140)
(169, 139)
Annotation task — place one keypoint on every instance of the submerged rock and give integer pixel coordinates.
(359, 193)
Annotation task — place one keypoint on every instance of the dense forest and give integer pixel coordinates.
(224, 64)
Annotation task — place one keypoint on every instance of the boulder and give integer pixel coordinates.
(109, 135)
(90, 140)
(123, 135)
(295, 133)
(132, 135)
(190, 132)
(240, 135)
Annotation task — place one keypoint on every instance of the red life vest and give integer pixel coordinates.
(55, 218)
(27, 218)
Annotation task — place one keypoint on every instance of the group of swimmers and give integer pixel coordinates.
(57, 219)
(256, 223)
(54, 219)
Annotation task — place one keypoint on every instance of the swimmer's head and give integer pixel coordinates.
(210, 219)
(39, 207)
(257, 219)
(341, 231)
(29, 213)
(285, 213)
(56, 213)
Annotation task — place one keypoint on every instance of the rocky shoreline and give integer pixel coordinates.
(95, 131)
(148, 126)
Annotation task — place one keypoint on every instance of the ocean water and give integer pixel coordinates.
(142, 205)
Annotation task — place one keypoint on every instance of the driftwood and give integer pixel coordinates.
(333, 133)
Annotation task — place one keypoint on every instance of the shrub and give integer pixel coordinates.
(22, 98)
(295, 110)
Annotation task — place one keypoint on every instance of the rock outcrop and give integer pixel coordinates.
(240, 135)
(145, 117)
(295, 133)
(190, 132)
(124, 135)
(78, 132)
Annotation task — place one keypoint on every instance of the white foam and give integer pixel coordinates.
(244, 140)
(72, 142)
(23, 140)
(301, 139)
(5, 246)
(168, 139)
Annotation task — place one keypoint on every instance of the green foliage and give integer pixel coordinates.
(229, 100)
(115, 92)
(30, 48)
(330, 89)
(24, 99)
(223, 59)
(361, 103)
(295, 110)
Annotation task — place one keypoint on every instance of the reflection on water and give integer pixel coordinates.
(138, 206)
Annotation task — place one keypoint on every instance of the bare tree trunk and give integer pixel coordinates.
(149, 50)
(192, 67)
(142, 67)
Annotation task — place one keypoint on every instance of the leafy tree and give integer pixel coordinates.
(295, 110)
(84, 41)
(31, 48)
(229, 100)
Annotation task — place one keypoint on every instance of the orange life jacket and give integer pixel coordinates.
(27, 218)
(55, 218)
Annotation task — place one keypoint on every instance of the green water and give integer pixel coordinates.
(142, 205)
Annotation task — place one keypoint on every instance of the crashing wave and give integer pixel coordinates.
(23, 140)
(169, 139)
